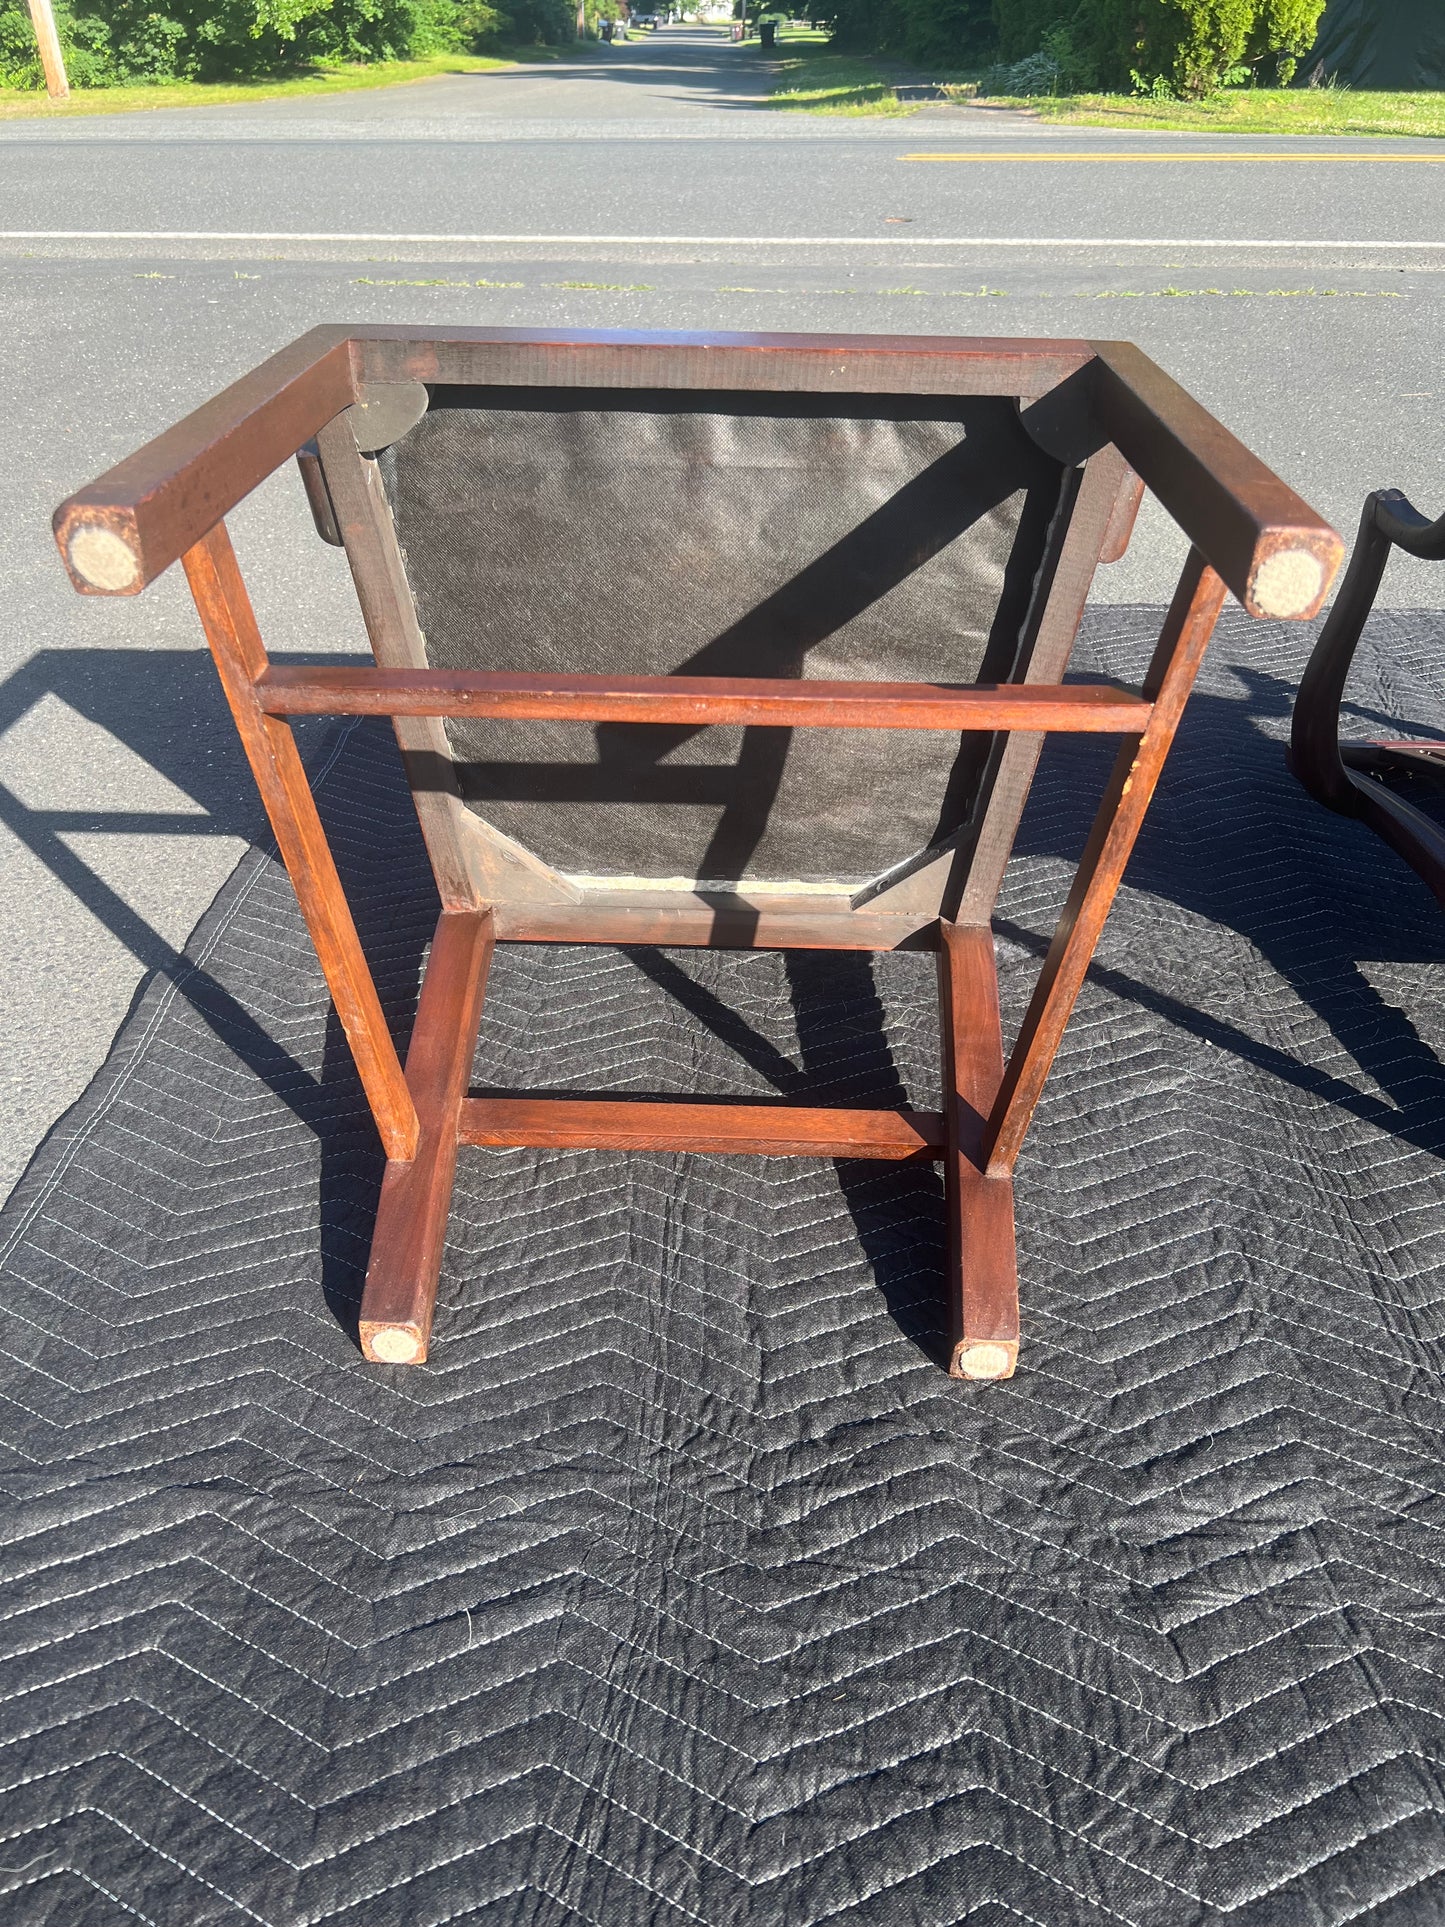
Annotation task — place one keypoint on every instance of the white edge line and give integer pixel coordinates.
(1315, 244)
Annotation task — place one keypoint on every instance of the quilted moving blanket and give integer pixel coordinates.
(683, 1586)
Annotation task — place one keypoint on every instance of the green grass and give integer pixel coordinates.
(16, 103)
(371, 281)
(1258, 110)
(811, 80)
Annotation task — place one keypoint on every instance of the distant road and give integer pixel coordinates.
(510, 153)
(146, 259)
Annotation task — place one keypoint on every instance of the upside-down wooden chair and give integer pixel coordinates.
(738, 640)
(1354, 777)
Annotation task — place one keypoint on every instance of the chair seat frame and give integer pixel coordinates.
(1102, 409)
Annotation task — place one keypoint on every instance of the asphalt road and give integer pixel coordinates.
(147, 259)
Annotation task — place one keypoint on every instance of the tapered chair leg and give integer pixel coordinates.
(983, 1289)
(416, 1194)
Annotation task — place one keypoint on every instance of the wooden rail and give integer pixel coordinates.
(765, 1129)
(1088, 707)
(1272, 550)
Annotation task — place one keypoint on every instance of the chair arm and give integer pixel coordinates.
(1271, 549)
(1388, 520)
(1398, 519)
(128, 526)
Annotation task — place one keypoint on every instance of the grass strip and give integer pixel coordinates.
(326, 79)
(1256, 110)
(809, 79)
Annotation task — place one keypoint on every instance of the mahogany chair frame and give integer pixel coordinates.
(1102, 408)
(1351, 777)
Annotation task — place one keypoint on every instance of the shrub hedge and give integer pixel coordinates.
(1189, 47)
(108, 43)
(1050, 46)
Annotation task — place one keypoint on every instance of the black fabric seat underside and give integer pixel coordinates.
(722, 535)
(683, 1586)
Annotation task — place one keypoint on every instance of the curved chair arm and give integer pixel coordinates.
(1398, 518)
(1337, 774)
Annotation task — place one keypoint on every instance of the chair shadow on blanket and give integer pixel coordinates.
(1317, 896)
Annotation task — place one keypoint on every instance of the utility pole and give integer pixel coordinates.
(51, 58)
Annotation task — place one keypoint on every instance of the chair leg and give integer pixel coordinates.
(983, 1286)
(1314, 751)
(416, 1194)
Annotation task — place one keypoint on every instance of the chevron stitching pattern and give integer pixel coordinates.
(683, 1587)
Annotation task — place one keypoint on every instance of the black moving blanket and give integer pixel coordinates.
(683, 1586)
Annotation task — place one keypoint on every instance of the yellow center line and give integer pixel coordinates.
(1389, 160)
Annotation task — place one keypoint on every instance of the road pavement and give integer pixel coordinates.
(147, 259)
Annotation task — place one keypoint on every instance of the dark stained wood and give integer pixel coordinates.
(982, 1277)
(472, 861)
(318, 496)
(973, 896)
(1387, 521)
(815, 364)
(1125, 513)
(766, 1129)
(411, 1218)
(1271, 549)
(936, 885)
(230, 626)
(162, 500)
(1423, 758)
(1180, 650)
(1101, 401)
(719, 922)
(307, 691)
(1412, 834)
(367, 534)
(1346, 776)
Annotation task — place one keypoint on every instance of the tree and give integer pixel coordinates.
(1191, 46)
(108, 42)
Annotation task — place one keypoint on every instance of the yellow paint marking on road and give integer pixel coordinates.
(1392, 160)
